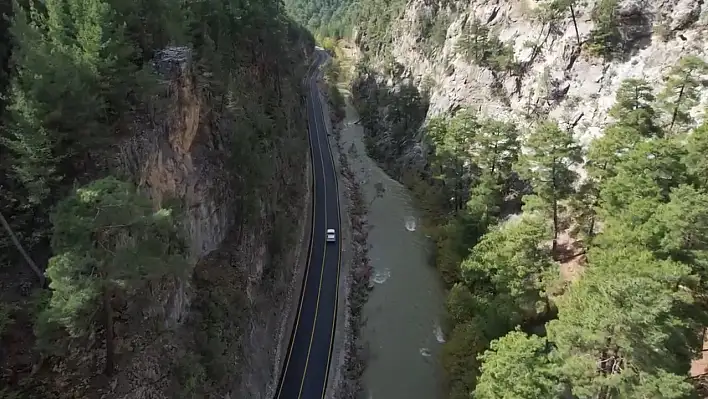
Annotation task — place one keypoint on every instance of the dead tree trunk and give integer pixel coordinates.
(108, 314)
(575, 23)
(18, 245)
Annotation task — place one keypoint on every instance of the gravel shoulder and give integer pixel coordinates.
(347, 363)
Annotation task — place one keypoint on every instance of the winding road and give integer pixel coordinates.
(307, 361)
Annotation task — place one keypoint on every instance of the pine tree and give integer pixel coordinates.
(605, 36)
(102, 48)
(659, 160)
(679, 230)
(452, 138)
(619, 331)
(107, 239)
(511, 259)
(553, 10)
(634, 107)
(551, 154)
(609, 150)
(473, 44)
(34, 92)
(695, 159)
(495, 147)
(518, 366)
(682, 92)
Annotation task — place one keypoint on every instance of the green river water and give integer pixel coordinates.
(402, 317)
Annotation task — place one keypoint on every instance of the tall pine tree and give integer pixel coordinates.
(107, 240)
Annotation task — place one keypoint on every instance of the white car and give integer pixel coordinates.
(331, 236)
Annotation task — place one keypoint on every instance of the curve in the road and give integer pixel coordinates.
(307, 363)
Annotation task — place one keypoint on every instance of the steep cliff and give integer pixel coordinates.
(224, 143)
(547, 62)
(244, 224)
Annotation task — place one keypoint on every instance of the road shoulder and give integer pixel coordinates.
(286, 328)
(346, 364)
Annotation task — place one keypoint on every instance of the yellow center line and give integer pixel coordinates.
(307, 267)
(324, 253)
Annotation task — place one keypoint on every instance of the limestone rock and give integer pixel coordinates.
(569, 85)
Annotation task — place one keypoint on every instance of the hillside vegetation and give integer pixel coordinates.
(599, 285)
(570, 269)
(329, 18)
(82, 246)
(339, 18)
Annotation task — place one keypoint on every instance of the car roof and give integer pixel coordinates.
(330, 230)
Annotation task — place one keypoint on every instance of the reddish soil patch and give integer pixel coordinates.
(571, 255)
(699, 367)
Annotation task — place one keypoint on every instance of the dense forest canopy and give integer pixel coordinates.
(339, 18)
(330, 18)
(77, 76)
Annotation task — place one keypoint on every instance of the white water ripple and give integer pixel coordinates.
(410, 223)
(380, 276)
(439, 336)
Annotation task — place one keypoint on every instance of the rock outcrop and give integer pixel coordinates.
(218, 333)
(557, 77)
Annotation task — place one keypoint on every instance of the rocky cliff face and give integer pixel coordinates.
(168, 155)
(556, 77)
(217, 334)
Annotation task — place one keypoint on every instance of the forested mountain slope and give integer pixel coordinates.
(332, 18)
(558, 148)
(153, 166)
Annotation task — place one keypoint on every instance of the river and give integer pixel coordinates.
(403, 314)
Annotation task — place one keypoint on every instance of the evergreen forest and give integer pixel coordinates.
(80, 240)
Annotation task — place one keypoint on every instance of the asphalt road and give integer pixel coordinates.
(307, 363)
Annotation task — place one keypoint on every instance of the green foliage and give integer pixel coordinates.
(481, 320)
(459, 358)
(552, 10)
(5, 49)
(548, 166)
(681, 231)
(72, 83)
(332, 18)
(621, 330)
(464, 146)
(82, 80)
(507, 272)
(374, 19)
(636, 120)
(517, 366)
(632, 324)
(634, 107)
(6, 393)
(107, 239)
(637, 224)
(695, 159)
(480, 45)
(78, 75)
(509, 260)
(191, 376)
(496, 147)
(333, 77)
(682, 92)
(434, 31)
(471, 162)
(605, 38)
